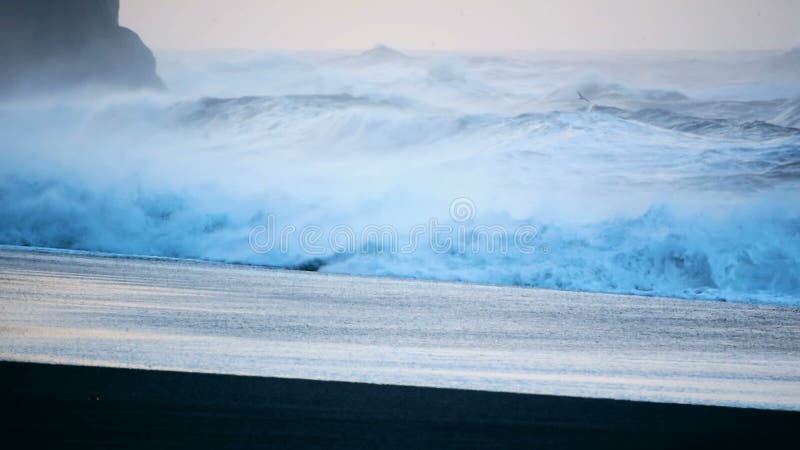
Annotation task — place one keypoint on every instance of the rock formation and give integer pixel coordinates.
(49, 45)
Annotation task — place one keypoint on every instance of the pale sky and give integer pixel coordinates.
(466, 24)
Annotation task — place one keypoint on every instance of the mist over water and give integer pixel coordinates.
(680, 177)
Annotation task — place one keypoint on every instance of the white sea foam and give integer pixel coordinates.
(682, 180)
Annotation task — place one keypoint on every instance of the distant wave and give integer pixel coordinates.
(790, 116)
(757, 130)
(610, 92)
(265, 111)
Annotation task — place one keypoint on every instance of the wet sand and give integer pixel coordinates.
(57, 406)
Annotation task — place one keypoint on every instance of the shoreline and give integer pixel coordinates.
(125, 256)
(100, 407)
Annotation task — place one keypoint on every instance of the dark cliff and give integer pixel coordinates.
(48, 45)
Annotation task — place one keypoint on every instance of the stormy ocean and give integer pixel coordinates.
(660, 174)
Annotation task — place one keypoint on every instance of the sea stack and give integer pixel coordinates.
(51, 45)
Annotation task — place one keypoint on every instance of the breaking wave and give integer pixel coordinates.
(660, 190)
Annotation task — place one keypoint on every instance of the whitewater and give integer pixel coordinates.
(680, 176)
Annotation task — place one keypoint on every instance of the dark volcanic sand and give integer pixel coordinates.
(52, 406)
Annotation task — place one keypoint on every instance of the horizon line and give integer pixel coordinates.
(498, 50)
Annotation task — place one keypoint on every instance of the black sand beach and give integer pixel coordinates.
(387, 337)
(53, 406)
